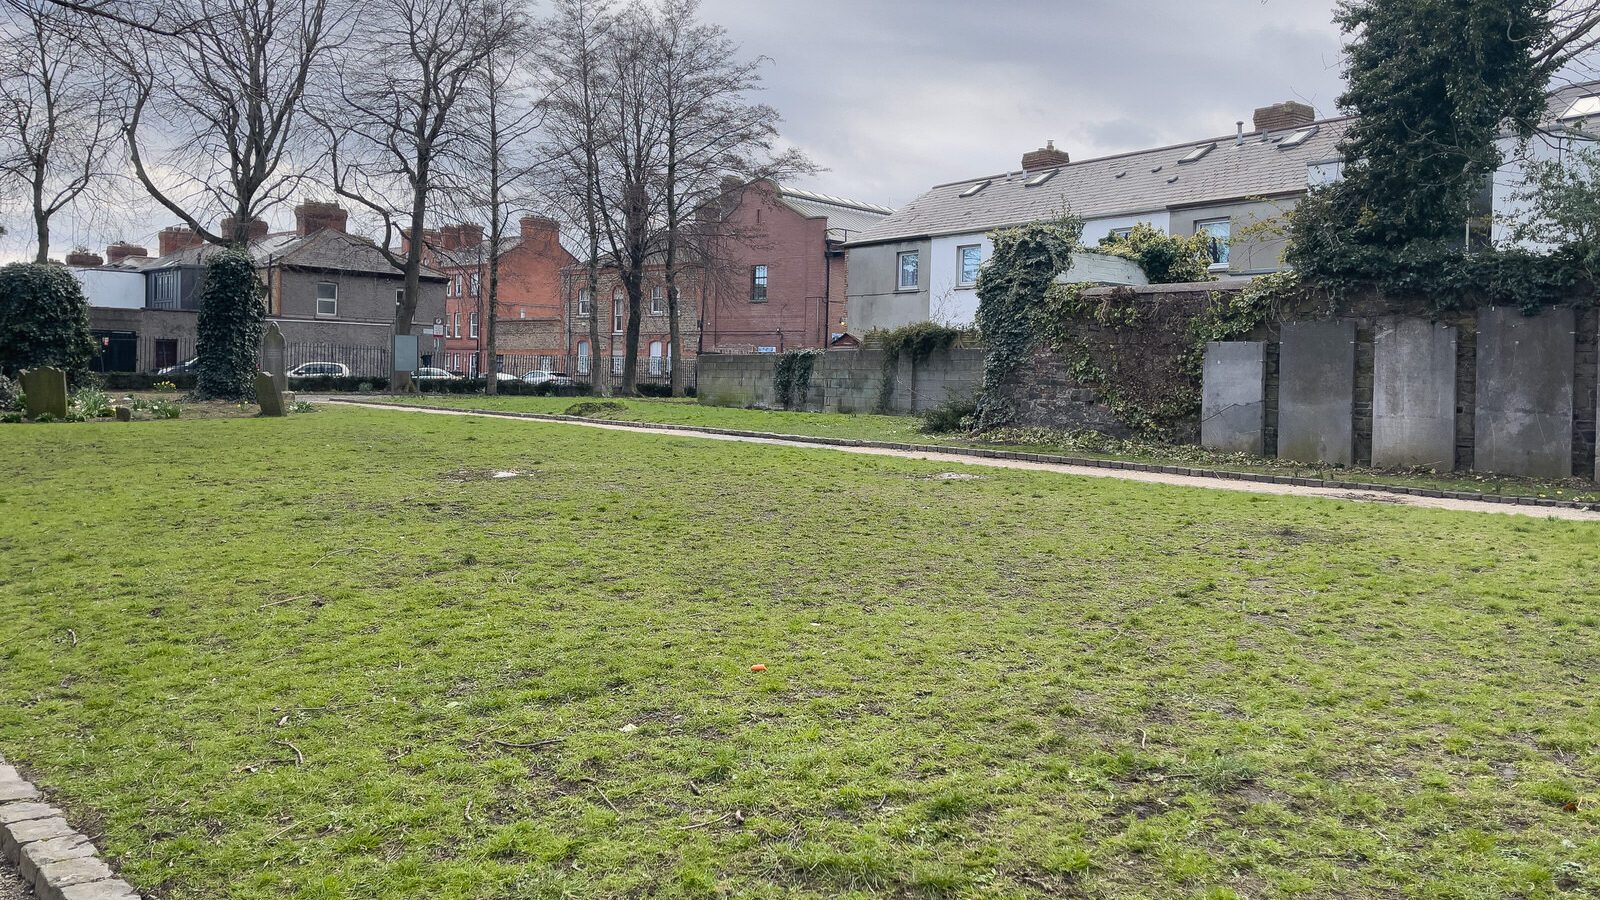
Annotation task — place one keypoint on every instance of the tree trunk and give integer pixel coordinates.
(633, 284)
(492, 386)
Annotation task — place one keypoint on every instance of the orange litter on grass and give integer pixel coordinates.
(758, 667)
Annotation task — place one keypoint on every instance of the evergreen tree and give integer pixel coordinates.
(229, 326)
(44, 319)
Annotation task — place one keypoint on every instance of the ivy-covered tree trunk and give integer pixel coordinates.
(229, 326)
(44, 320)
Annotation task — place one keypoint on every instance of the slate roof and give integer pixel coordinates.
(327, 250)
(846, 218)
(1142, 181)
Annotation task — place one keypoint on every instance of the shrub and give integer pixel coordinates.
(165, 387)
(92, 403)
(228, 329)
(592, 408)
(11, 418)
(44, 320)
(10, 394)
(1164, 258)
(165, 409)
(916, 342)
(949, 417)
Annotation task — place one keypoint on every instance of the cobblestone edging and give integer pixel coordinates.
(59, 863)
(985, 453)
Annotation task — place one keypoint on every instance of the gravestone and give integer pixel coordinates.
(1523, 424)
(273, 401)
(273, 356)
(1316, 392)
(124, 414)
(46, 390)
(1414, 394)
(1233, 397)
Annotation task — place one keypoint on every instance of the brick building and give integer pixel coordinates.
(530, 329)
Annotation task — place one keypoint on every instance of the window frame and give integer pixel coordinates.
(475, 284)
(1227, 244)
(456, 320)
(585, 303)
(321, 299)
(618, 311)
(658, 300)
(900, 270)
(961, 265)
(472, 324)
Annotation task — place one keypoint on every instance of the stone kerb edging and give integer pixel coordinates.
(57, 861)
(986, 453)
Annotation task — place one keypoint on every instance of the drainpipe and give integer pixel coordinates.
(827, 293)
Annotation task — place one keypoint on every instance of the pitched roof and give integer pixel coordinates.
(846, 218)
(1265, 164)
(326, 249)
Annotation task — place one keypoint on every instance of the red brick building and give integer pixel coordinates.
(530, 330)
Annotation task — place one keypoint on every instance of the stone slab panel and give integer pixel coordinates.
(1316, 392)
(1414, 394)
(1233, 397)
(22, 812)
(111, 889)
(1524, 406)
(15, 836)
(39, 854)
(56, 877)
(46, 391)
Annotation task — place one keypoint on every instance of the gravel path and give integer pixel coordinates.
(11, 884)
(1200, 481)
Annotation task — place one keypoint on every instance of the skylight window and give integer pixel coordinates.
(973, 191)
(1197, 153)
(1583, 108)
(1299, 137)
(1040, 178)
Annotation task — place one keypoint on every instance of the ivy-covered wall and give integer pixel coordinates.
(841, 380)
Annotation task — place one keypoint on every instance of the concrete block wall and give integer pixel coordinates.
(843, 380)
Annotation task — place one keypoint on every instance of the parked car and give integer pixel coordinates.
(312, 369)
(429, 373)
(554, 379)
(184, 368)
(505, 376)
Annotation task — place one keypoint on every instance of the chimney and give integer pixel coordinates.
(313, 216)
(1046, 157)
(430, 241)
(122, 250)
(84, 259)
(540, 230)
(450, 237)
(254, 231)
(177, 237)
(1288, 114)
(469, 237)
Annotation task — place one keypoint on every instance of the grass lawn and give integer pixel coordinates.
(332, 656)
(903, 429)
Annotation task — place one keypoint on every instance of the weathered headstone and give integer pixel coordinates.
(1233, 397)
(1316, 392)
(273, 356)
(124, 414)
(1414, 394)
(46, 390)
(1523, 424)
(268, 395)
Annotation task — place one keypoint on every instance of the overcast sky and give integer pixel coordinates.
(894, 96)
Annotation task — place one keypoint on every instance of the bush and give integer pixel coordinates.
(228, 329)
(11, 418)
(10, 394)
(92, 403)
(594, 408)
(337, 384)
(44, 320)
(165, 409)
(949, 417)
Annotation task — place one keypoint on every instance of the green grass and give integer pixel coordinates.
(1017, 685)
(903, 429)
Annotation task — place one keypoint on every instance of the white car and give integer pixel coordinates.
(554, 379)
(429, 373)
(313, 369)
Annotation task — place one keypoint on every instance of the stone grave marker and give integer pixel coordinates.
(124, 414)
(273, 357)
(273, 401)
(46, 389)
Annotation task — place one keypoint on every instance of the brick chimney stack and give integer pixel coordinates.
(450, 237)
(1046, 157)
(174, 238)
(1280, 116)
(84, 259)
(122, 250)
(313, 216)
(254, 231)
(469, 237)
(540, 230)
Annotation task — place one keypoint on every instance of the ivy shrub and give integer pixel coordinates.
(44, 320)
(916, 342)
(1164, 258)
(791, 377)
(1026, 261)
(228, 328)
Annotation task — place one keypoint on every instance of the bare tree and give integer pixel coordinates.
(571, 59)
(712, 133)
(213, 117)
(397, 131)
(1575, 39)
(57, 127)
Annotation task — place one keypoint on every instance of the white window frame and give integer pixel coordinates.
(618, 312)
(476, 283)
(584, 357)
(1227, 246)
(961, 259)
(900, 270)
(760, 280)
(658, 300)
(616, 364)
(657, 353)
(457, 324)
(1120, 233)
(399, 296)
(334, 312)
(472, 324)
(583, 303)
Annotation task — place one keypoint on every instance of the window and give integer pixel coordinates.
(1298, 138)
(1221, 233)
(758, 284)
(327, 298)
(969, 260)
(583, 302)
(1197, 153)
(399, 296)
(583, 357)
(166, 353)
(474, 284)
(616, 365)
(974, 190)
(166, 290)
(616, 311)
(522, 312)
(1039, 179)
(655, 357)
(1582, 108)
(658, 302)
(910, 262)
(459, 286)
(1121, 234)
(457, 325)
(472, 325)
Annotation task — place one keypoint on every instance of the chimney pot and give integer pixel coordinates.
(1046, 157)
(1288, 114)
(535, 228)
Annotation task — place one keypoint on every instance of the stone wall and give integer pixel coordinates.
(843, 380)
